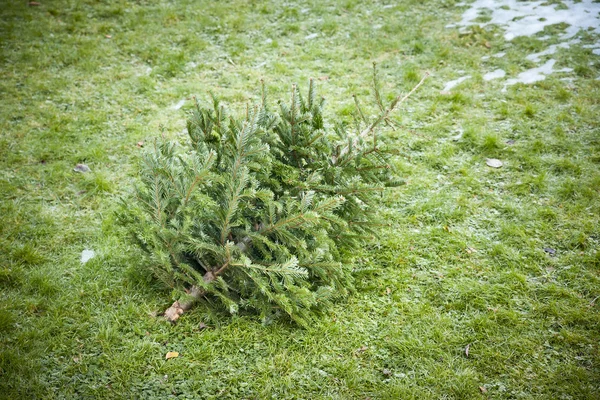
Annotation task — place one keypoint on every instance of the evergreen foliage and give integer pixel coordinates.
(262, 212)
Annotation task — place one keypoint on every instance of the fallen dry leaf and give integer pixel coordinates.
(482, 389)
(140, 143)
(487, 45)
(108, 36)
(388, 290)
(467, 350)
(493, 162)
(323, 78)
(34, 4)
(171, 354)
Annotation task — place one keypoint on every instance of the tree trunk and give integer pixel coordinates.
(173, 313)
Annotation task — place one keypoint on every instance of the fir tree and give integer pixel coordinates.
(262, 212)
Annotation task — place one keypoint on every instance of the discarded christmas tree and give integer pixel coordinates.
(262, 212)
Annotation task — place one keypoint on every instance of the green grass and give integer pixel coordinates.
(463, 263)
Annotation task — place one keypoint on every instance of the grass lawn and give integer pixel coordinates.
(485, 285)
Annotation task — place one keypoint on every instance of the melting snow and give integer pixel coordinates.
(535, 57)
(455, 82)
(520, 18)
(499, 73)
(535, 74)
(591, 46)
(178, 105)
(526, 18)
(87, 255)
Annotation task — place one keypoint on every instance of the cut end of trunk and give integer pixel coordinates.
(174, 312)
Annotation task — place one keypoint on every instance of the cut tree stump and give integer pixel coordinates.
(173, 313)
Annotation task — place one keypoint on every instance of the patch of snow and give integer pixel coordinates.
(536, 57)
(146, 71)
(178, 105)
(459, 135)
(591, 46)
(499, 73)
(455, 82)
(526, 18)
(83, 168)
(520, 18)
(87, 255)
(535, 74)
(595, 47)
